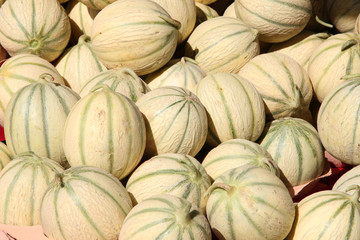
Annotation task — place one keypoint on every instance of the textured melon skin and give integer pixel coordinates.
(105, 129)
(235, 153)
(35, 119)
(351, 177)
(295, 146)
(176, 174)
(165, 217)
(97, 4)
(176, 121)
(23, 182)
(84, 203)
(327, 215)
(5, 155)
(21, 70)
(138, 34)
(343, 14)
(40, 27)
(281, 20)
(250, 201)
(235, 108)
(222, 44)
(338, 122)
(204, 12)
(336, 57)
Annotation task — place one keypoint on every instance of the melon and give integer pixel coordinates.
(337, 56)
(105, 129)
(40, 27)
(230, 11)
(280, 21)
(35, 118)
(204, 12)
(295, 146)
(123, 80)
(283, 84)
(343, 14)
(328, 214)
(249, 201)
(235, 153)
(19, 71)
(23, 182)
(97, 4)
(5, 155)
(176, 121)
(222, 44)
(349, 178)
(184, 72)
(138, 34)
(171, 173)
(79, 64)
(84, 203)
(357, 25)
(338, 122)
(234, 107)
(166, 217)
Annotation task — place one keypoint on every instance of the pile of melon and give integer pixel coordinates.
(169, 119)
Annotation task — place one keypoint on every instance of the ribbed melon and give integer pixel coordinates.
(84, 203)
(35, 118)
(5, 155)
(295, 146)
(301, 47)
(282, 83)
(328, 215)
(222, 44)
(19, 71)
(184, 72)
(337, 56)
(123, 80)
(249, 202)
(105, 129)
(351, 177)
(165, 217)
(280, 21)
(235, 108)
(81, 19)
(172, 173)
(204, 12)
(235, 153)
(338, 122)
(176, 121)
(343, 14)
(138, 34)
(79, 64)
(40, 27)
(22, 184)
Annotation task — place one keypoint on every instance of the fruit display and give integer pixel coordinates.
(169, 119)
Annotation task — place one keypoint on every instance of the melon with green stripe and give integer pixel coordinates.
(338, 122)
(21, 70)
(295, 146)
(204, 12)
(337, 56)
(79, 64)
(249, 201)
(222, 44)
(176, 121)
(35, 118)
(281, 21)
(123, 80)
(235, 108)
(235, 153)
(81, 19)
(105, 129)
(328, 214)
(40, 27)
(165, 217)
(97, 4)
(172, 173)
(5, 156)
(301, 47)
(84, 203)
(23, 182)
(283, 84)
(184, 72)
(138, 34)
(343, 14)
(351, 177)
